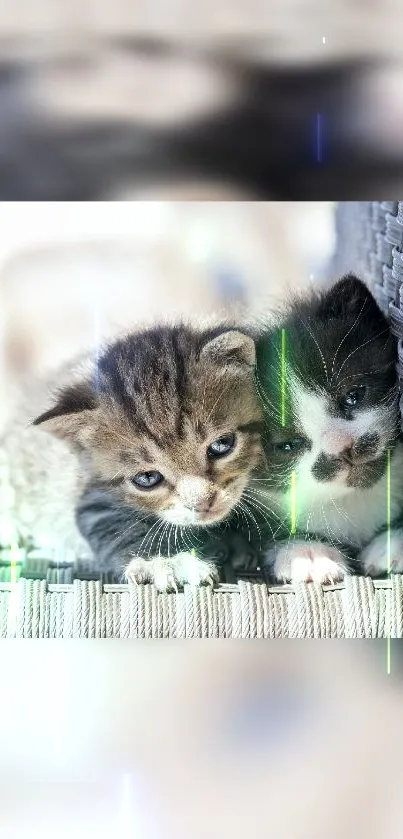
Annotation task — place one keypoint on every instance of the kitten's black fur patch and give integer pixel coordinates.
(71, 400)
(325, 468)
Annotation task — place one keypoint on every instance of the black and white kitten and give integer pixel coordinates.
(327, 377)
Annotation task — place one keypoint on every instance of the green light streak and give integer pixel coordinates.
(293, 503)
(283, 377)
(388, 546)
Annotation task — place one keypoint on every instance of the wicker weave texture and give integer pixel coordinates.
(370, 242)
(360, 608)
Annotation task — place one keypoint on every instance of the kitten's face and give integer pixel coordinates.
(174, 428)
(331, 381)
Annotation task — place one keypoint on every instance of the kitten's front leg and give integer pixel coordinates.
(167, 574)
(375, 558)
(301, 561)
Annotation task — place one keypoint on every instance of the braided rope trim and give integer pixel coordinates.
(358, 608)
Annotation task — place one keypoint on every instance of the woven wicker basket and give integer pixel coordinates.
(360, 608)
(50, 599)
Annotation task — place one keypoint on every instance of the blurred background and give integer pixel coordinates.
(286, 99)
(145, 740)
(73, 275)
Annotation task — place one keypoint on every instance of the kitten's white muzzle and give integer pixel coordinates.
(336, 442)
(185, 516)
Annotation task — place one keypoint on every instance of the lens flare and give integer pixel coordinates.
(283, 376)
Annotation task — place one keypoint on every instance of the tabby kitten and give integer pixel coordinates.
(166, 427)
(327, 378)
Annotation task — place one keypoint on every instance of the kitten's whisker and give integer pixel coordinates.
(110, 480)
(248, 512)
(188, 545)
(119, 535)
(171, 526)
(252, 498)
(239, 506)
(364, 344)
(310, 514)
(336, 543)
(368, 373)
(305, 325)
(260, 510)
(163, 532)
(282, 524)
(155, 526)
(158, 534)
(343, 514)
(346, 336)
(273, 409)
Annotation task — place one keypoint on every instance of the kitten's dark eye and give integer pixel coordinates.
(222, 446)
(147, 480)
(290, 446)
(354, 396)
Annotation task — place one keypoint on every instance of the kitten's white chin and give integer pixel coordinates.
(341, 478)
(184, 518)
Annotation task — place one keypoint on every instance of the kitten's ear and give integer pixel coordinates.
(230, 347)
(72, 417)
(350, 297)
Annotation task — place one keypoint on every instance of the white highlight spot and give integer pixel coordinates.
(199, 243)
(132, 818)
(323, 40)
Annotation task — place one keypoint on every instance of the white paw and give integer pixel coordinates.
(375, 558)
(168, 574)
(189, 569)
(307, 562)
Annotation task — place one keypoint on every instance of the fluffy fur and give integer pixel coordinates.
(170, 405)
(327, 377)
(304, 492)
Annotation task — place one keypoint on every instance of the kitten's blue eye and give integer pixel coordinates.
(290, 446)
(222, 446)
(147, 480)
(354, 396)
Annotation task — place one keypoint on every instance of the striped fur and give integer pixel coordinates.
(155, 401)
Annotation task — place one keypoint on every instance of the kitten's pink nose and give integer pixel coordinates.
(336, 442)
(196, 493)
(205, 506)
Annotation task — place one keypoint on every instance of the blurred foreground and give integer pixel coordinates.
(285, 99)
(187, 740)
